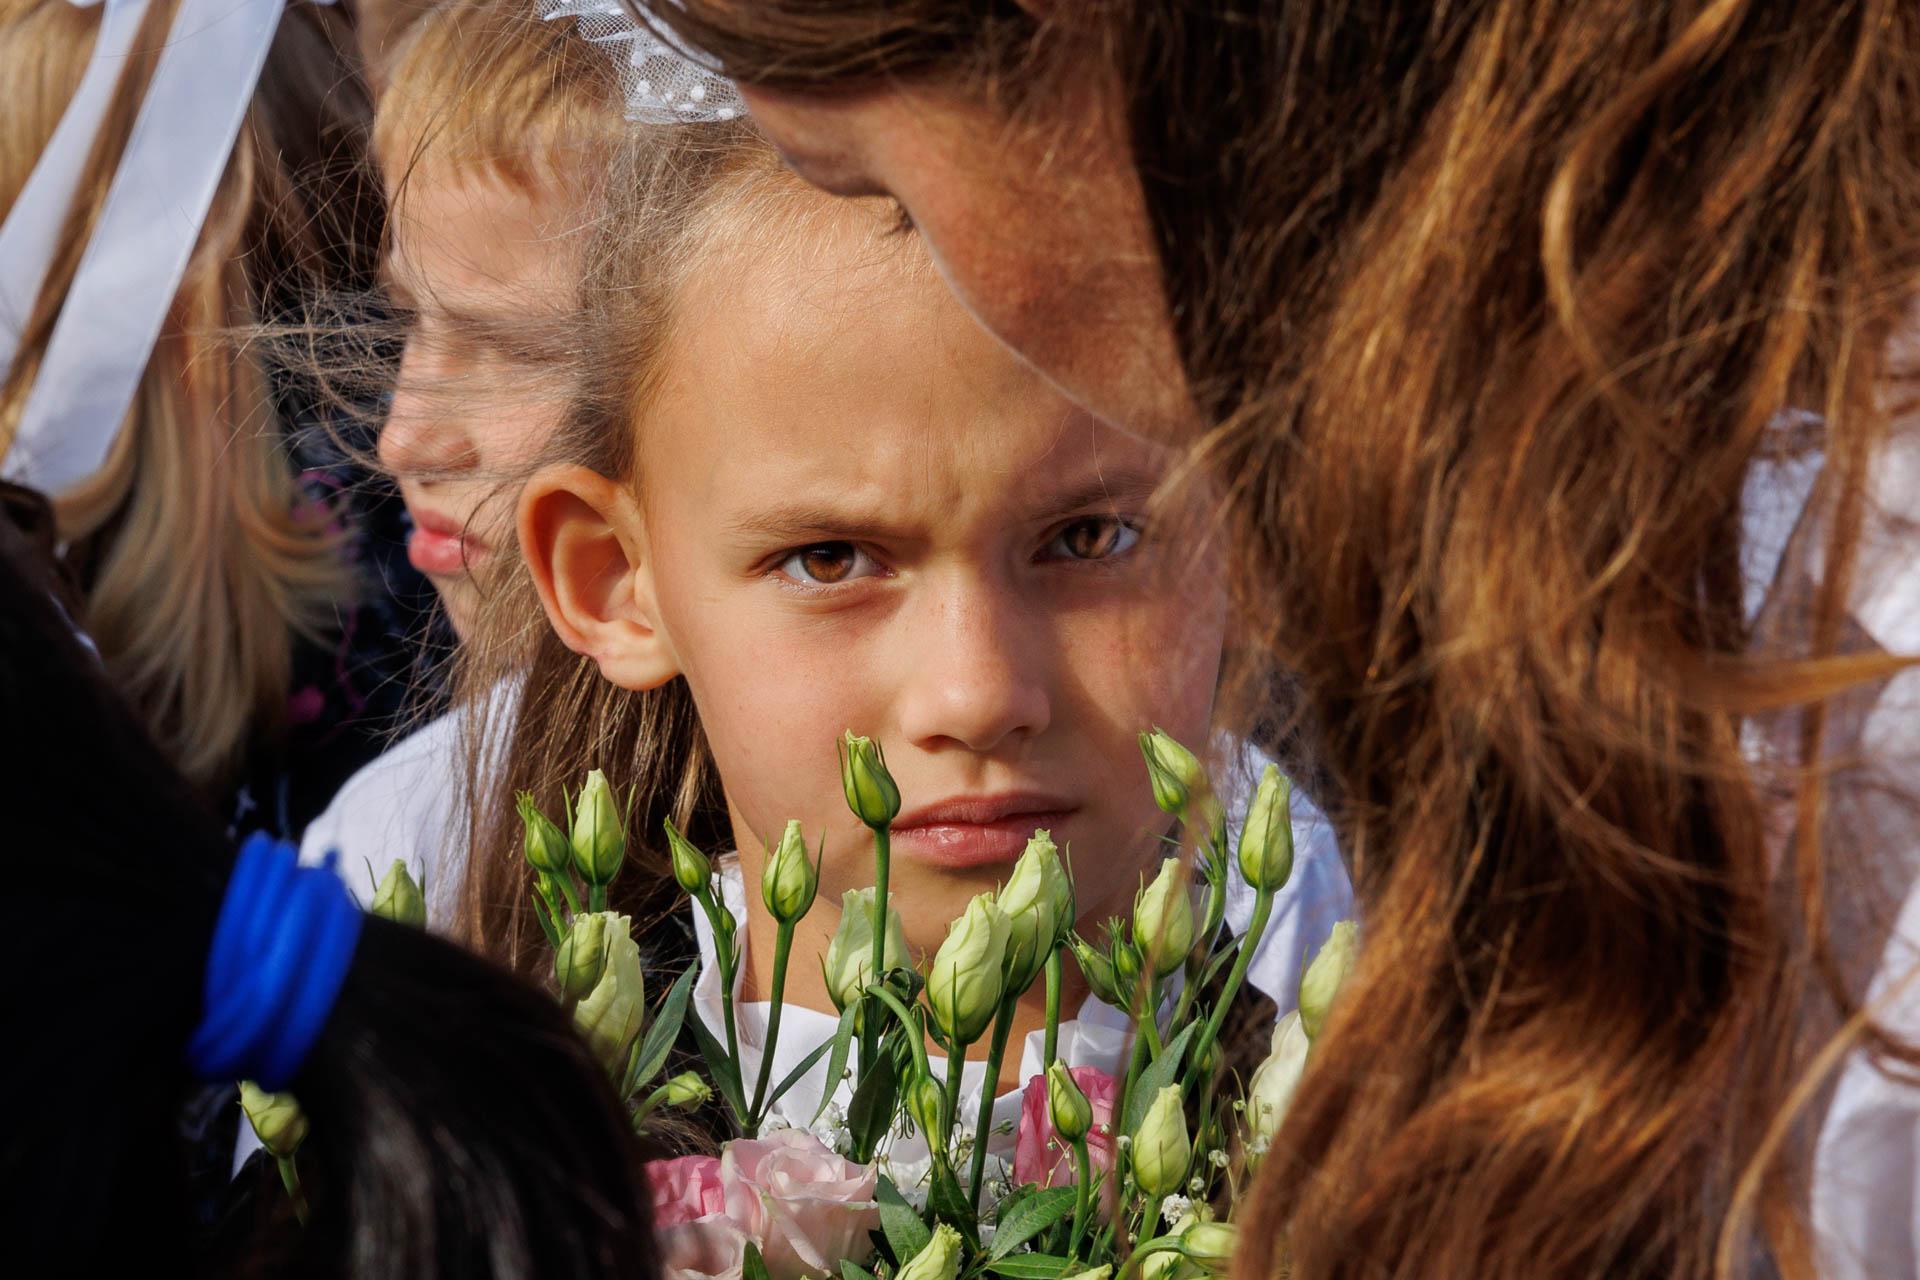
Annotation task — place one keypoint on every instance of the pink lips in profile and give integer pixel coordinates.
(440, 546)
(977, 831)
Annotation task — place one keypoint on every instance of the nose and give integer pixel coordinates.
(422, 436)
(981, 675)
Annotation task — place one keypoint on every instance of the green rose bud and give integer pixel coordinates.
(1171, 1264)
(582, 955)
(1127, 967)
(849, 962)
(1097, 970)
(1161, 1149)
(1274, 1080)
(938, 1259)
(691, 870)
(399, 899)
(1174, 771)
(276, 1119)
(965, 983)
(1072, 1113)
(1163, 919)
(611, 1014)
(926, 1104)
(789, 880)
(1210, 1244)
(599, 833)
(1035, 898)
(1266, 842)
(545, 846)
(871, 794)
(1321, 982)
(685, 1090)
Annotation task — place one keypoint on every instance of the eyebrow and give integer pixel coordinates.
(797, 523)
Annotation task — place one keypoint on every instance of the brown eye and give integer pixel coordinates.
(1093, 538)
(825, 564)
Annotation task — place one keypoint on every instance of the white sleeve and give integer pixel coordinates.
(1866, 1181)
(404, 804)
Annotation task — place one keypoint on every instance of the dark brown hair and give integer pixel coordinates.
(1493, 307)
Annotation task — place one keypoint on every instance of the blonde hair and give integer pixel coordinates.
(200, 563)
(485, 87)
(675, 194)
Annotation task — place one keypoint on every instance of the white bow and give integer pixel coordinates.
(132, 267)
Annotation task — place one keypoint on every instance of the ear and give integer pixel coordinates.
(585, 546)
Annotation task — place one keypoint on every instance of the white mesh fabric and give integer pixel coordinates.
(663, 84)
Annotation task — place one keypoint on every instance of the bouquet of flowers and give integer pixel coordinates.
(1112, 1174)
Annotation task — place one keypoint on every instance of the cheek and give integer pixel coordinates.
(772, 706)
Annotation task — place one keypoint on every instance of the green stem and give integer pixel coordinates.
(646, 1108)
(916, 1036)
(290, 1179)
(1152, 1244)
(782, 946)
(723, 949)
(567, 891)
(1056, 972)
(1083, 1193)
(1202, 1043)
(597, 897)
(882, 860)
(956, 1067)
(989, 1087)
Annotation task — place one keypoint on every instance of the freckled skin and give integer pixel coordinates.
(990, 638)
(1039, 227)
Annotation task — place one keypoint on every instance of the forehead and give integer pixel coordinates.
(471, 236)
(824, 351)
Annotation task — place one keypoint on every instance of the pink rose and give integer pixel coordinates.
(698, 1241)
(812, 1207)
(1039, 1154)
(685, 1189)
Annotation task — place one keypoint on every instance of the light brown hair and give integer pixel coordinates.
(1493, 306)
(201, 565)
(675, 194)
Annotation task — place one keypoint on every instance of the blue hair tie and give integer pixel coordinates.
(281, 949)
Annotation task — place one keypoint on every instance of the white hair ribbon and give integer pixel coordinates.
(31, 232)
(132, 267)
(663, 81)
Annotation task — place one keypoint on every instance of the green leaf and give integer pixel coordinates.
(837, 1064)
(1035, 1266)
(793, 1077)
(667, 1020)
(1030, 1217)
(724, 1074)
(1155, 1078)
(851, 1270)
(755, 1267)
(546, 921)
(871, 1111)
(906, 1234)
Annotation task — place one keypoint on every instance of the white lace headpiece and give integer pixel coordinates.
(132, 267)
(664, 81)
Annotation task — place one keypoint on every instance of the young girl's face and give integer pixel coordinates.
(854, 510)
(486, 272)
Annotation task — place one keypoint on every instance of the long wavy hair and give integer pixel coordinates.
(201, 563)
(1494, 308)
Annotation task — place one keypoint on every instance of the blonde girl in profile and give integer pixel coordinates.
(200, 563)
